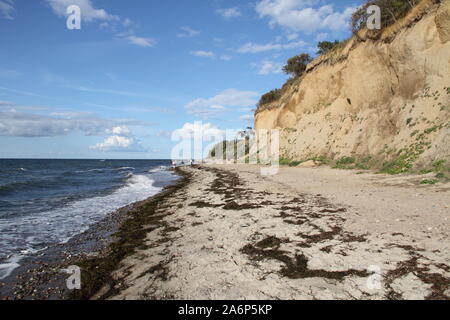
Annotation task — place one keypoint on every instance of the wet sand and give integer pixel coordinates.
(226, 232)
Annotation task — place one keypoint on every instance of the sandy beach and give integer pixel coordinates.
(305, 233)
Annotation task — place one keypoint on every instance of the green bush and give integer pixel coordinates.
(345, 163)
(326, 46)
(294, 163)
(269, 97)
(364, 163)
(285, 162)
(296, 66)
(321, 160)
(400, 165)
(429, 181)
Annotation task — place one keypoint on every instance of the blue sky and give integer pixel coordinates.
(140, 69)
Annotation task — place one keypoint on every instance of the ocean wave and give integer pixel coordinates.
(124, 168)
(60, 225)
(158, 169)
(9, 266)
(90, 170)
(34, 183)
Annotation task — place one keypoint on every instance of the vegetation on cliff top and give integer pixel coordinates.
(391, 12)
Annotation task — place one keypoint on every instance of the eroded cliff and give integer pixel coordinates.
(380, 100)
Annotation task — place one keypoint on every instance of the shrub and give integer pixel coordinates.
(296, 66)
(269, 97)
(345, 162)
(429, 181)
(285, 162)
(397, 166)
(326, 46)
(294, 163)
(364, 163)
(321, 160)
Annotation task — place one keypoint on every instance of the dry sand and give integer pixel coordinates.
(305, 233)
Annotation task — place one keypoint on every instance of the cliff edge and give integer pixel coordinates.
(381, 100)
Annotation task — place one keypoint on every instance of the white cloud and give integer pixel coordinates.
(89, 13)
(206, 131)
(203, 54)
(299, 15)
(187, 32)
(218, 104)
(120, 140)
(119, 144)
(225, 57)
(121, 131)
(267, 67)
(229, 13)
(256, 48)
(6, 8)
(140, 41)
(24, 124)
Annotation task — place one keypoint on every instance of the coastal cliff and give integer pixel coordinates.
(382, 100)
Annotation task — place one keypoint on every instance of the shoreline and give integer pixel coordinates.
(40, 275)
(225, 232)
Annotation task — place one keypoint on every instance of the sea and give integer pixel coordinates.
(47, 202)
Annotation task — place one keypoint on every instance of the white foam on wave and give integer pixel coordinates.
(9, 266)
(35, 231)
(158, 169)
(124, 168)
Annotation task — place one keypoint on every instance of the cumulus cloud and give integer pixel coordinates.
(203, 54)
(206, 131)
(119, 143)
(229, 13)
(89, 13)
(24, 124)
(257, 48)
(195, 140)
(6, 8)
(219, 103)
(121, 131)
(303, 15)
(121, 139)
(187, 32)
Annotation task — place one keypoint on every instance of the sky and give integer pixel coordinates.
(139, 70)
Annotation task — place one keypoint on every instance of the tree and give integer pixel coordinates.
(326, 46)
(296, 66)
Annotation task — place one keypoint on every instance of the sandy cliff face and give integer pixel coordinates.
(385, 98)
